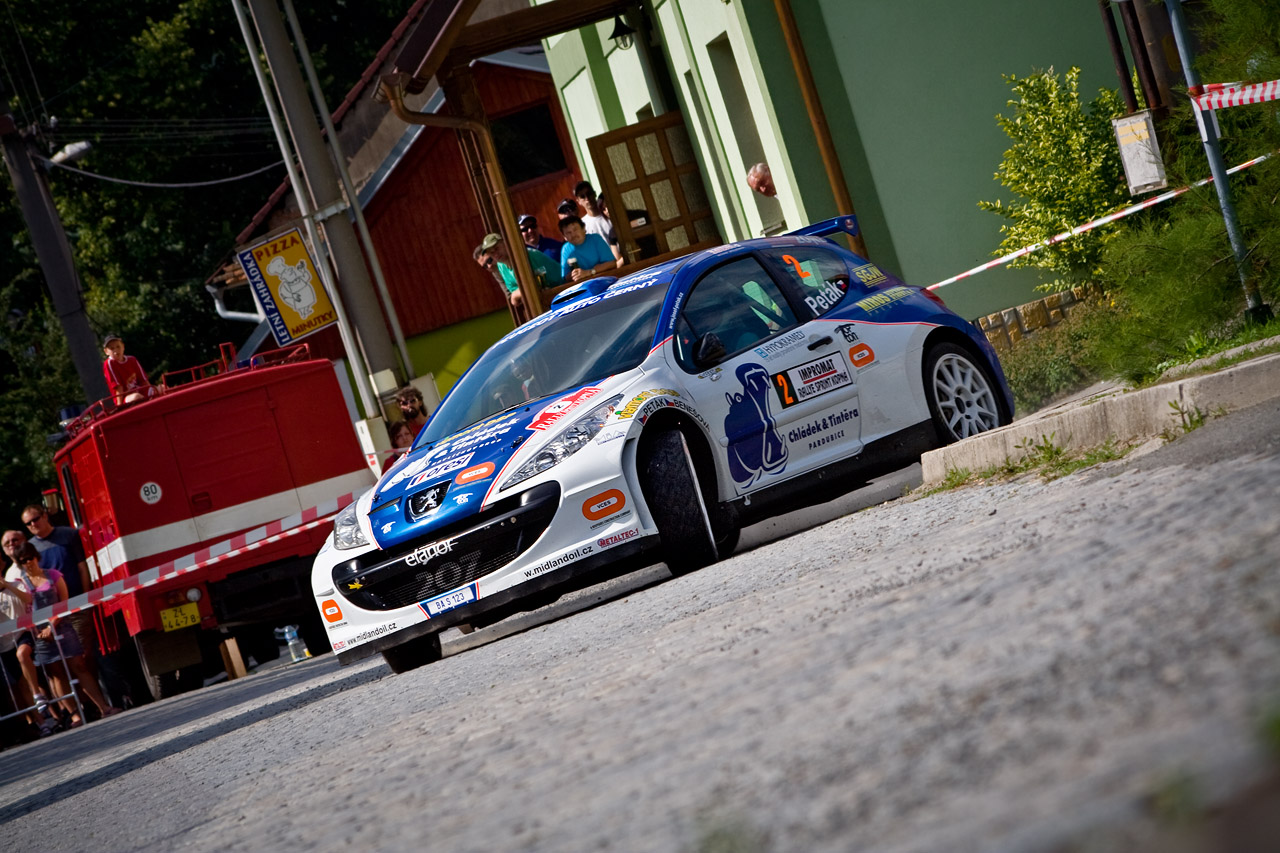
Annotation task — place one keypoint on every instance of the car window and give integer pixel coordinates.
(587, 341)
(820, 275)
(740, 304)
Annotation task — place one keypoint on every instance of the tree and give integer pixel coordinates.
(166, 94)
(1065, 167)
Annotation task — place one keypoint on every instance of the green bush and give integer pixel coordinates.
(1065, 168)
(1057, 360)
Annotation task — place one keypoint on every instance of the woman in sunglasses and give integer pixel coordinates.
(48, 588)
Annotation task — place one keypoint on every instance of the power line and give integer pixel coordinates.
(23, 47)
(49, 162)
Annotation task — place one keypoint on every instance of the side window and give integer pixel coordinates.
(730, 310)
(821, 276)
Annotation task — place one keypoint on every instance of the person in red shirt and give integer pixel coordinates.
(126, 380)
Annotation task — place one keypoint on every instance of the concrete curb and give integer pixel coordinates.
(1125, 417)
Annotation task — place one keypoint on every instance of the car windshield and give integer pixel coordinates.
(584, 342)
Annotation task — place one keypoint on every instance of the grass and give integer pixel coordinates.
(1044, 457)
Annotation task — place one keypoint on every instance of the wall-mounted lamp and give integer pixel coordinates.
(623, 36)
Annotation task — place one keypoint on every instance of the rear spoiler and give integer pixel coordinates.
(846, 224)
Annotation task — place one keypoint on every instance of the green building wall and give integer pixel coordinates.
(910, 90)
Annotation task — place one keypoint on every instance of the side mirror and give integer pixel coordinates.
(709, 350)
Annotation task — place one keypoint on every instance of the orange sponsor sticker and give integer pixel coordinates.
(332, 612)
(474, 473)
(861, 355)
(605, 503)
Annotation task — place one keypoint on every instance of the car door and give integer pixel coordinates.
(776, 389)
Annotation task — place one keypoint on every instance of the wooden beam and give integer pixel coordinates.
(528, 26)
(425, 48)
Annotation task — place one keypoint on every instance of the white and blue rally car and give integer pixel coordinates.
(648, 418)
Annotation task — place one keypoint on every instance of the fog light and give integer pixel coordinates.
(193, 595)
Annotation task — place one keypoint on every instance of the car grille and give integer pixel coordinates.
(454, 555)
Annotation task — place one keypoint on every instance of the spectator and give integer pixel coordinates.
(760, 179)
(533, 238)
(596, 220)
(401, 435)
(126, 380)
(55, 641)
(409, 399)
(585, 254)
(17, 652)
(492, 254)
(75, 571)
(567, 207)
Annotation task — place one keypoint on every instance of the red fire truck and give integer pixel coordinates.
(226, 448)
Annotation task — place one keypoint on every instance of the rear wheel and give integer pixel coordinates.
(419, 651)
(671, 489)
(961, 395)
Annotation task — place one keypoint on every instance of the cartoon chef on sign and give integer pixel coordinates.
(295, 285)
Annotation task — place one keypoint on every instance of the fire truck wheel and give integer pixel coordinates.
(419, 651)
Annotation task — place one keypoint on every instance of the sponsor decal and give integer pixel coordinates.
(849, 331)
(462, 498)
(598, 506)
(474, 473)
(355, 584)
(811, 379)
(876, 301)
(825, 299)
(870, 274)
(816, 428)
(626, 513)
(655, 405)
(331, 611)
(408, 471)
(387, 527)
(630, 408)
(424, 554)
(779, 345)
(450, 600)
(555, 412)
(616, 538)
(862, 355)
(712, 374)
(556, 562)
(440, 469)
(755, 447)
(373, 633)
(609, 435)
(483, 434)
(339, 645)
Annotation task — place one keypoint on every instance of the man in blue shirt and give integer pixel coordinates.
(585, 254)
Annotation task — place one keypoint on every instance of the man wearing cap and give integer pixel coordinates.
(492, 255)
(534, 239)
(126, 380)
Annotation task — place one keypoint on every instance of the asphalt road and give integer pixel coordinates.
(1020, 666)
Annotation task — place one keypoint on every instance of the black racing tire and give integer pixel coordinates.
(419, 651)
(961, 393)
(671, 489)
(727, 541)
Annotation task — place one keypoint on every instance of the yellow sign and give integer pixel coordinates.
(285, 282)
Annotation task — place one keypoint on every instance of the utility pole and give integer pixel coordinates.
(54, 253)
(321, 180)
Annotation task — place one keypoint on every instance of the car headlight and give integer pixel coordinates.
(346, 529)
(568, 442)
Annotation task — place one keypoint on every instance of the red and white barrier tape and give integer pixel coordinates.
(1089, 226)
(1219, 96)
(225, 550)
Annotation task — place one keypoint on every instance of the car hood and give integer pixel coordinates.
(441, 484)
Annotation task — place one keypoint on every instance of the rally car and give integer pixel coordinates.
(646, 418)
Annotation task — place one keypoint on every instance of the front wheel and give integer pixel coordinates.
(419, 651)
(671, 490)
(960, 394)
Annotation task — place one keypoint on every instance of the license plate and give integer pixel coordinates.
(182, 616)
(449, 601)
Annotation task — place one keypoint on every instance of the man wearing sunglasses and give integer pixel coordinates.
(534, 238)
